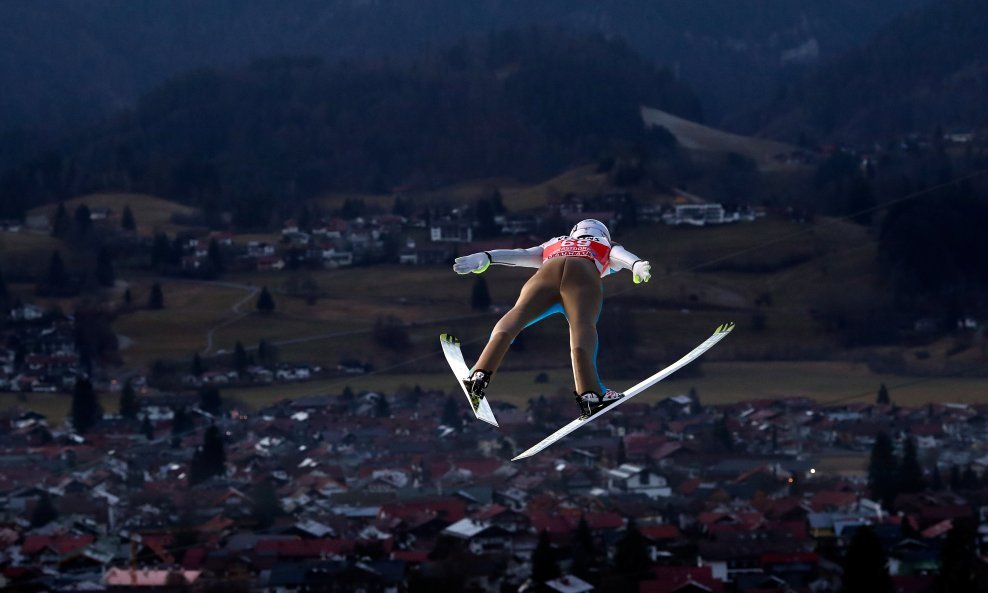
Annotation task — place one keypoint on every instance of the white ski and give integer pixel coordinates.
(454, 356)
(717, 336)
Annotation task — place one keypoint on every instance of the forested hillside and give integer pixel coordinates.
(521, 104)
(72, 60)
(926, 70)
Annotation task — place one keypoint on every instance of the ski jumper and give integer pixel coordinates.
(568, 280)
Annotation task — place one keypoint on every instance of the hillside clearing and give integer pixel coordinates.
(694, 136)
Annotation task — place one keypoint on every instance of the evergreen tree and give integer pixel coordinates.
(128, 402)
(210, 459)
(157, 298)
(83, 219)
(486, 225)
(265, 304)
(266, 507)
(585, 563)
(240, 359)
(127, 221)
(695, 396)
(86, 411)
(882, 469)
(58, 280)
(381, 407)
(176, 251)
(544, 565)
(507, 451)
(722, 434)
(61, 225)
(181, 425)
(865, 562)
(622, 454)
(969, 479)
(348, 395)
(209, 399)
(160, 251)
(128, 297)
(451, 413)
(480, 297)
(883, 396)
(958, 559)
(197, 368)
(104, 268)
(936, 480)
(266, 353)
(44, 512)
(910, 471)
(631, 557)
(955, 478)
(147, 429)
(215, 256)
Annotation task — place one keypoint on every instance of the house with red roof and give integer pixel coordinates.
(48, 550)
(681, 579)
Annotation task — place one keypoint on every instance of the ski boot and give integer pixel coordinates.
(477, 386)
(591, 402)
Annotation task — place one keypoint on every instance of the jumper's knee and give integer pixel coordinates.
(500, 334)
(583, 339)
(579, 351)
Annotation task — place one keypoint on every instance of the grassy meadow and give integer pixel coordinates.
(719, 383)
(150, 213)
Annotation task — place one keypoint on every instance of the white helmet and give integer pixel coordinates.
(590, 227)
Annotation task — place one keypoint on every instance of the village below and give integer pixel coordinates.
(229, 307)
(189, 482)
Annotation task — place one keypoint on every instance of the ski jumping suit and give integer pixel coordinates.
(568, 281)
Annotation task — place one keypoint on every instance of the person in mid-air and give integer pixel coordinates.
(568, 281)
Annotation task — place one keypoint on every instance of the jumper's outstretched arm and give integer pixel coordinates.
(525, 258)
(479, 262)
(622, 259)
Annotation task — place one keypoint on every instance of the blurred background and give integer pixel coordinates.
(226, 236)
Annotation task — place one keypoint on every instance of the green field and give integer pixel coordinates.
(720, 383)
(701, 278)
(150, 213)
(694, 136)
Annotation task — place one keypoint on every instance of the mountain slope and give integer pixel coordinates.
(518, 104)
(70, 60)
(926, 69)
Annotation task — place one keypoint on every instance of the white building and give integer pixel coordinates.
(634, 479)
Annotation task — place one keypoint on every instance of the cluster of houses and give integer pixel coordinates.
(284, 372)
(38, 352)
(335, 242)
(326, 491)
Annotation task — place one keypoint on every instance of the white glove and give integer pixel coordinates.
(475, 262)
(642, 271)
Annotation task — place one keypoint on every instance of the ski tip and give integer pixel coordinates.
(449, 339)
(723, 329)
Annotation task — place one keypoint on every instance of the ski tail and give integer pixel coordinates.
(454, 356)
(719, 334)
